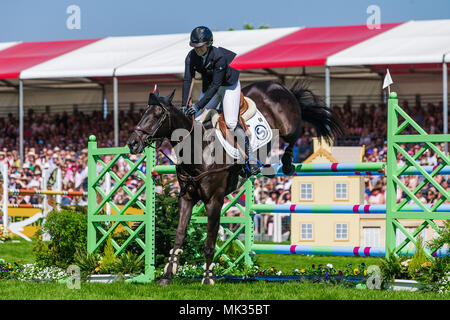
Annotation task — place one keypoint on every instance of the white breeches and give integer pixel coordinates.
(230, 97)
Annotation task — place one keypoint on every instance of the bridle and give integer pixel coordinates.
(151, 136)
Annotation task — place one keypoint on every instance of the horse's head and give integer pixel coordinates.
(155, 123)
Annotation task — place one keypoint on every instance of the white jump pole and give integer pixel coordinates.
(277, 228)
(107, 191)
(116, 111)
(43, 186)
(4, 169)
(445, 98)
(21, 138)
(58, 187)
(45, 176)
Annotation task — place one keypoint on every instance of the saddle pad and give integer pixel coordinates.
(261, 134)
(260, 131)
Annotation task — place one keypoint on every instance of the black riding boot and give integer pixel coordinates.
(252, 165)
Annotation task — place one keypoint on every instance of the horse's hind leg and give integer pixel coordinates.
(213, 209)
(185, 209)
(288, 168)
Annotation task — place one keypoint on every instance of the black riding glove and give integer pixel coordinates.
(192, 110)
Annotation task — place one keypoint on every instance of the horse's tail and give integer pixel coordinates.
(314, 111)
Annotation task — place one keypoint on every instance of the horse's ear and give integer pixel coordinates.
(155, 90)
(152, 99)
(170, 96)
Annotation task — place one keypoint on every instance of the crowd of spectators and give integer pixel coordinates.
(60, 140)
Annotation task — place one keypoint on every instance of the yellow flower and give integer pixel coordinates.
(365, 272)
(355, 271)
(97, 269)
(100, 262)
(303, 271)
(221, 259)
(426, 264)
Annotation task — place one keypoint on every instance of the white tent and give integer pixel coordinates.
(101, 58)
(171, 59)
(413, 42)
(417, 44)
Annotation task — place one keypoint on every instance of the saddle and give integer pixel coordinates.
(247, 110)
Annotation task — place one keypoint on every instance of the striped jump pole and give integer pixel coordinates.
(26, 205)
(47, 192)
(347, 169)
(341, 208)
(347, 251)
(326, 169)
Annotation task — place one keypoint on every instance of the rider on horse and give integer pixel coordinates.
(220, 82)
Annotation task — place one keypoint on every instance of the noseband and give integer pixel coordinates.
(151, 137)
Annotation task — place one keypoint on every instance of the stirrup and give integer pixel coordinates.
(253, 168)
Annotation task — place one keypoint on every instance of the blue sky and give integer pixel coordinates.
(40, 20)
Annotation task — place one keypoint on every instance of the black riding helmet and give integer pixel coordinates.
(200, 36)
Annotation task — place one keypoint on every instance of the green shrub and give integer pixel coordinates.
(443, 238)
(419, 267)
(435, 275)
(67, 230)
(109, 259)
(394, 267)
(419, 259)
(87, 262)
(166, 227)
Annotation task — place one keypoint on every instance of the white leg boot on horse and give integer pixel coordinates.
(185, 209)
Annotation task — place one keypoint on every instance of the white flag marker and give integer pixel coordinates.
(387, 81)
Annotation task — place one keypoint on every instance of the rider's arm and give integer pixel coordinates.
(189, 73)
(217, 80)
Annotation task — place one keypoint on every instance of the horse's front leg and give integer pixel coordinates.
(213, 209)
(185, 210)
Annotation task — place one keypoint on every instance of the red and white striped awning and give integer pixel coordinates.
(307, 47)
(414, 42)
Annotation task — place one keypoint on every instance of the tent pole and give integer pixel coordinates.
(21, 122)
(445, 99)
(116, 112)
(327, 86)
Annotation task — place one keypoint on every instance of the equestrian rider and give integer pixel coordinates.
(220, 82)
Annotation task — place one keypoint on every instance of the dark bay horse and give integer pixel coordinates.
(285, 109)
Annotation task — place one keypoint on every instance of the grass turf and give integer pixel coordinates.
(193, 290)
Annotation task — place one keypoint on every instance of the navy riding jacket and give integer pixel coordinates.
(215, 71)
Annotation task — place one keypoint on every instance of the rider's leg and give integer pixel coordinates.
(231, 101)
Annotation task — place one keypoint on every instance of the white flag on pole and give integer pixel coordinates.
(387, 80)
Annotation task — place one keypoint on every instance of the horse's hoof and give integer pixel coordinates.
(165, 282)
(208, 281)
(288, 170)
